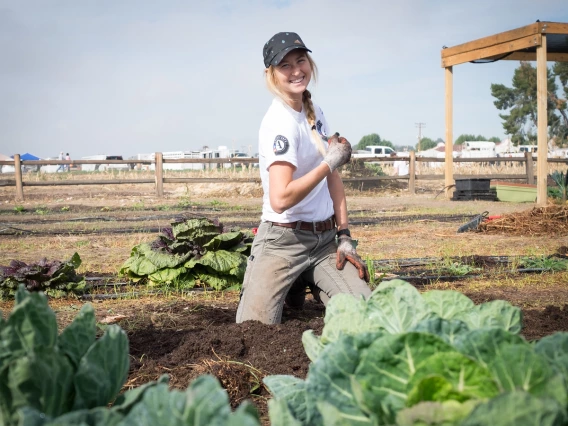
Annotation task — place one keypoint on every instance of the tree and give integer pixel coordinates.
(372, 139)
(521, 103)
(560, 131)
(426, 143)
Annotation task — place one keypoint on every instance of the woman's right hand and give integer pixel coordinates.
(338, 153)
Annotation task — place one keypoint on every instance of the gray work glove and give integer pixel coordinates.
(346, 252)
(338, 153)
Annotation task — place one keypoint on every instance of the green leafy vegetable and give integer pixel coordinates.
(52, 374)
(192, 252)
(70, 379)
(401, 357)
(54, 278)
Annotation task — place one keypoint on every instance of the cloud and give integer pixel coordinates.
(129, 77)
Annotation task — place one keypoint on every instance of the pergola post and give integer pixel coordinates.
(449, 164)
(542, 119)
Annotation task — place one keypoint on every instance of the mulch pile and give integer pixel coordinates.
(538, 221)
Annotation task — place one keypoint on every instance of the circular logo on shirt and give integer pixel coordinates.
(280, 145)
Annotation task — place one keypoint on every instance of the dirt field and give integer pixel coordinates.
(185, 336)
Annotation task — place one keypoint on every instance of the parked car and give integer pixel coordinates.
(239, 155)
(103, 167)
(374, 151)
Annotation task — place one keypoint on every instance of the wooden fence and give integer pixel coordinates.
(159, 179)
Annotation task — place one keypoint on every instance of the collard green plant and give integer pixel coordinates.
(69, 379)
(401, 357)
(54, 374)
(192, 252)
(54, 278)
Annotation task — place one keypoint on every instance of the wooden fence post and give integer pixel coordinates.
(18, 176)
(529, 167)
(159, 175)
(412, 173)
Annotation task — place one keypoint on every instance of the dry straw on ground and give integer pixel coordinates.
(549, 220)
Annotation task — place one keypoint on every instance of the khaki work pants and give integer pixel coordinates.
(278, 257)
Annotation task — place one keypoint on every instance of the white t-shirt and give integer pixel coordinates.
(285, 135)
(401, 167)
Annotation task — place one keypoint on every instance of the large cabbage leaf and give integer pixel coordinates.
(330, 379)
(517, 408)
(485, 344)
(448, 376)
(449, 330)
(80, 335)
(397, 306)
(447, 303)
(387, 367)
(102, 370)
(519, 367)
(41, 380)
(555, 349)
(445, 413)
(497, 313)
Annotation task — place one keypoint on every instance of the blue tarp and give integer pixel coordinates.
(27, 157)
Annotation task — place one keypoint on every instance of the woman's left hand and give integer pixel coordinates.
(346, 252)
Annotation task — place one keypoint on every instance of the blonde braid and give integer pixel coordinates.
(311, 116)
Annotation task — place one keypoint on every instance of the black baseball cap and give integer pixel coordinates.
(279, 46)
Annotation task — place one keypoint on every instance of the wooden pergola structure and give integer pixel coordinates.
(541, 41)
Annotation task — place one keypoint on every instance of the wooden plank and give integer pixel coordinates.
(88, 182)
(542, 123)
(492, 40)
(449, 163)
(492, 51)
(211, 180)
(530, 56)
(12, 182)
(18, 175)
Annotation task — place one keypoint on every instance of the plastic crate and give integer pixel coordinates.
(472, 184)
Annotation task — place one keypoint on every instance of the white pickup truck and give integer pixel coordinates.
(373, 151)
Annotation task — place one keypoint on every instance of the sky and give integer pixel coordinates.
(122, 77)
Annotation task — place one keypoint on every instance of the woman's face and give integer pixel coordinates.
(293, 73)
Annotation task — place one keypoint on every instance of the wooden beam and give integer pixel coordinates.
(542, 123)
(554, 28)
(493, 40)
(449, 165)
(492, 51)
(531, 56)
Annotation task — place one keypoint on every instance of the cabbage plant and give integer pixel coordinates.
(189, 253)
(55, 278)
(401, 357)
